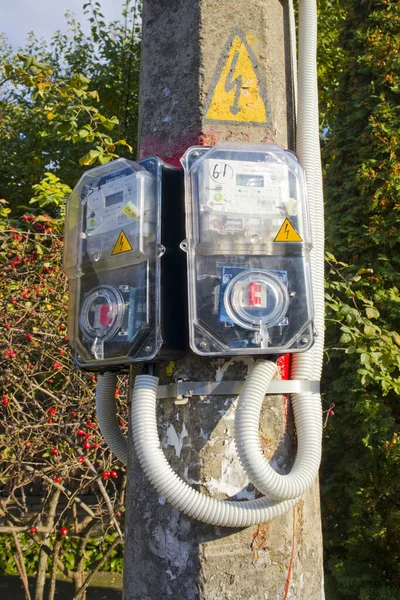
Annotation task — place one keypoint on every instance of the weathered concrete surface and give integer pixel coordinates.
(168, 555)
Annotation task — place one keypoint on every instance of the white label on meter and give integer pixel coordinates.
(242, 187)
(112, 205)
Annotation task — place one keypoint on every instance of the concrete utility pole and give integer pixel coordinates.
(216, 70)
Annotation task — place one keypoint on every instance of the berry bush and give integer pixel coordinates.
(50, 443)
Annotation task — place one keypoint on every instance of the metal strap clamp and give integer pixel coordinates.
(183, 390)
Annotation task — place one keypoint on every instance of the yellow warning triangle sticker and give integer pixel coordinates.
(237, 93)
(287, 233)
(122, 244)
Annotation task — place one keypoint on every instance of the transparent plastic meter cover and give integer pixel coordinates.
(248, 243)
(111, 259)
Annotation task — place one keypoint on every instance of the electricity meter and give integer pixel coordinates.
(114, 241)
(248, 243)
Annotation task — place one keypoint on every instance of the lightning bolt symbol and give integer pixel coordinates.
(286, 230)
(232, 83)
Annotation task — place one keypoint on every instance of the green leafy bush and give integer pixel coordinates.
(360, 477)
(61, 112)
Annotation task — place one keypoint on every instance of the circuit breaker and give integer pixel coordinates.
(247, 242)
(115, 240)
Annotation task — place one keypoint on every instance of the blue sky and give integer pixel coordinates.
(18, 17)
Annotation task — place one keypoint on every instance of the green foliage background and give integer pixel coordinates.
(64, 106)
(55, 115)
(360, 474)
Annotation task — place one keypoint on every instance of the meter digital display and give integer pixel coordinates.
(248, 244)
(113, 250)
(112, 199)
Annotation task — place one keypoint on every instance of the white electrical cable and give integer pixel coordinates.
(308, 365)
(107, 416)
(293, 56)
(308, 428)
(223, 513)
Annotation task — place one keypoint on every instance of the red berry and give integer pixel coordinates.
(65, 337)
(61, 351)
(50, 380)
(33, 530)
(30, 366)
(114, 474)
(93, 378)
(73, 413)
(117, 514)
(122, 423)
(57, 479)
(62, 328)
(57, 366)
(331, 412)
(52, 411)
(95, 445)
(8, 325)
(86, 445)
(29, 336)
(90, 424)
(106, 475)
(5, 401)
(54, 451)
(80, 432)
(49, 420)
(27, 443)
(116, 393)
(81, 459)
(13, 301)
(64, 531)
(25, 296)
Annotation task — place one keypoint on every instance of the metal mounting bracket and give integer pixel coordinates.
(183, 390)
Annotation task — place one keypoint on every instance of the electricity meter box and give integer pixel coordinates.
(115, 241)
(248, 243)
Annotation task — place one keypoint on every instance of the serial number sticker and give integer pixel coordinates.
(131, 210)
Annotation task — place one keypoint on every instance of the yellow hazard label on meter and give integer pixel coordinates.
(287, 233)
(122, 244)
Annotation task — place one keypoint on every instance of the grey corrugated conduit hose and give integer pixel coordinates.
(281, 489)
(308, 365)
(224, 513)
(107, 416)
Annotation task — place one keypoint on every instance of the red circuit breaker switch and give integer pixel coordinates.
(257, 295)
(103, 315)
(254, 294)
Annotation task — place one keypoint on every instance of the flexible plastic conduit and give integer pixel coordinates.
(308, 427)
(107, 416)
(308, 365)
(224, 513)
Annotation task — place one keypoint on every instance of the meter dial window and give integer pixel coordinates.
(102, 313)
(255, 299)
